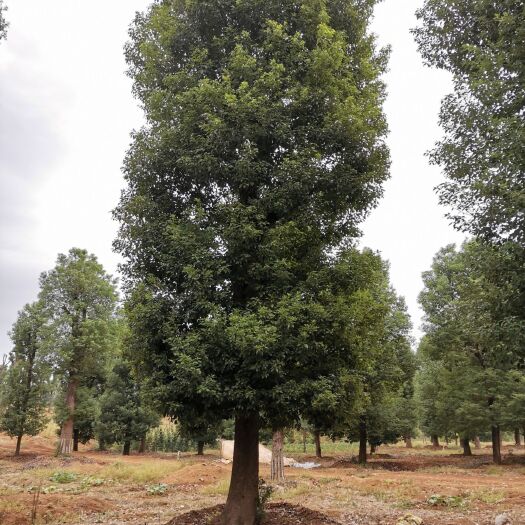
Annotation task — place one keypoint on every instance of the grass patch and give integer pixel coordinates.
(141, 473)
(63, 476)
(437, 500)
(490, 497)
(220, 488)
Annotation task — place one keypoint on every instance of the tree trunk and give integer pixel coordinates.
(127, 446)
(142, 446)
(362, 442)
(75, 440)
(304, 441)
(18, 443)
(496, 445)
(66, 433)
(241, 505)
(372, 449)
(477, 442)
(408, 441)
(200, 448)
(277, 467)
(435, 440)
(317, 439)
(456, 440)
(517, 437)
(465, 443)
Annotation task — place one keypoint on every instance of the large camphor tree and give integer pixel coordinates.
(262, 152)
(79, 299)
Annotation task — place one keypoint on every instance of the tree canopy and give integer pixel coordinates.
(481, 43)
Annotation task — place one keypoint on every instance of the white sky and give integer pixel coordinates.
(66, 112)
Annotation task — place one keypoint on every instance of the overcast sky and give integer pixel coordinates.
(66, 112)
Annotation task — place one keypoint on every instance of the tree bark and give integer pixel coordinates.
(66, 433)
(142, 446)
(241, 505)
(18, 443)
(496, 444)
(127, 447)
(465, 443)
(372, 449)
(517, 437)
(200, 448)
(435, 440)
(304, 441)
(317, 439)
(408, 441)
(477, 442)
(75, 439)
(362, 442)
(277, 466)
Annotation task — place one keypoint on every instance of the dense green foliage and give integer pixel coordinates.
(123, 416)
(79, 300)
(473, 352)
(262, 152)
(25, 385)
(481, 43)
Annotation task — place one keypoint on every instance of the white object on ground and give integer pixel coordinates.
(306, 465)
(265, 454)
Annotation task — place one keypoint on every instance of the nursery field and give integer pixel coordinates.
(439, 486)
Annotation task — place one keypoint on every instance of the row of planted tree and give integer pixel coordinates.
(71, 346)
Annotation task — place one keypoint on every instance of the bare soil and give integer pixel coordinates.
(276, 514)
(440, 486)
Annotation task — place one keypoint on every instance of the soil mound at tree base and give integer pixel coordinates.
(276, 514)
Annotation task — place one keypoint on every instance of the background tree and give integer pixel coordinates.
(23, 400)
(3, 22)
(79, 298)
(480, 43)
(263, 151)
(465, 332)
(123, 416)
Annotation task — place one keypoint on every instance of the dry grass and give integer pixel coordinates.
(147, 472)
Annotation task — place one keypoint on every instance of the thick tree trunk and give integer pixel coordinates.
(18, 443)
(362, 442)
(477, 442)
(408, 441)
(200, 448)
(435, 440)
(317, 439)
(517, 437)
(101, 445)
(66, 433)
(465, 443)
(127, 447)
(277, 466)
(75, 439)
(142, 446)
(496, 445)
(241, 505)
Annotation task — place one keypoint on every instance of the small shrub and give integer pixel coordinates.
(157, 489)
(437, 500)
(63, 476)
(265, 493)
